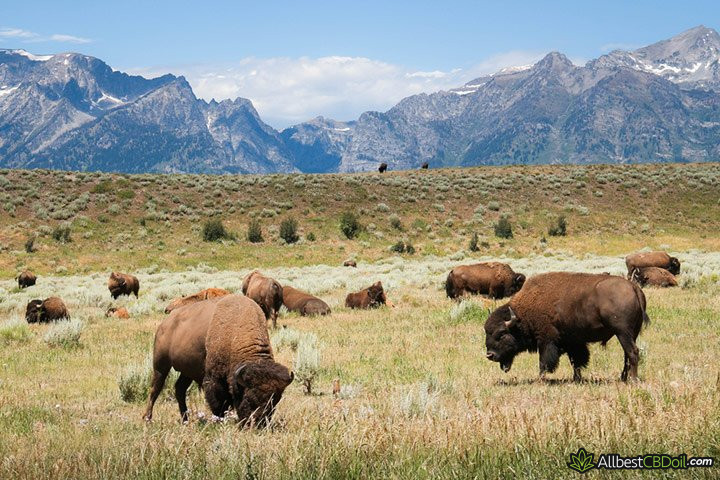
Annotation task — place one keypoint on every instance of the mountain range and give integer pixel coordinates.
(658, 103)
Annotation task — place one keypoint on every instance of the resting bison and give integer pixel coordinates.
(350, 263)
(382, 167)
(425, 166)
(206, 294)
(371, 297)
(653, 276)
(562, 312)
(266, 292)
(121, 312)
(652, 259)
(240, 370)
(48, 310)
(26, 279)
(305, 304)
(123, 284)
(494, 279)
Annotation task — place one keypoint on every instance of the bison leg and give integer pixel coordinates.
(160, 373)
(632, 356)
(181, 386)
(579, 358)
(549, 358)
(274, 315)
(216, 396)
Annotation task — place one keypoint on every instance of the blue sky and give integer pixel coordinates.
(296, 60)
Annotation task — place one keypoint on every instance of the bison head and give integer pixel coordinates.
(34, 311)
(637, 277)
(503, 337)
(674, 266)
(517, 283)
(260, 386)
(377, 294)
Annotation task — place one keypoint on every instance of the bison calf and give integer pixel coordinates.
(123, 284)
(305, 304)
(266, 292)
(371, 297)
(48, 310)
(561, 312)
(652, 259)
(494, 279)
(26, 279)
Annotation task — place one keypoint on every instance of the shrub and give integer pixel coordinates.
(288, 230)
(14, 329)
(64, 334)
(468, 311)
(395, 222)
(560, 227)
(61, 233)
(381, 207)
(503, 229)
(474, 243)
(307, 361)
(349, 225)
(403, 247)
(102, 187)
(134, 382)
(310, 237)
(494, 206)
(214, 230)
(30, 244)
(126, 194)
(254, 234)
(285, 337)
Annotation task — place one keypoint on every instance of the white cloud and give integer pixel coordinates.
(286, 91)
(16, 33)
(60, 37)
(27, 36)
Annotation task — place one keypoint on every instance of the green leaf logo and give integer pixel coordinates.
(581, 461)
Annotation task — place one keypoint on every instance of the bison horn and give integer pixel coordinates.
(292, 376)
(239, 370)
(513, 318)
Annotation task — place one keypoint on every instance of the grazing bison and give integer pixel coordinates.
(371, 297)
(305, 304)
(266, 292)
(494, 279)
(350, 263)
(206, 294)
(652, 259)
(121, 312)
(425, 166)
(653, 276)
(240, 370)
(48, 310)
(26, 279)
(562, 312)
(382, 168)
(123, 284)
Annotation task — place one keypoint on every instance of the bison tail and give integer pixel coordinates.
(449, 287)
(643, 304)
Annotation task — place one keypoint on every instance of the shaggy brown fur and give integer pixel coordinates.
(206, 294)
(305, 304)
(48, 310)
(26, 279)
(240, 370)
(383, 167)
(652, 259)
(123, 284)
(494, 279)
(180, 344)
(350, 263)
(371, 297)
(654, 277)
(121, 312)
(266, 292)
(562, 312)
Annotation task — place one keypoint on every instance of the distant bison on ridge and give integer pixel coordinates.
(494, 279)
(305, 304)
(123, 284)
(562, 312)
(206, 294)
(48, 310)
(266, 292)
(652, 259)
(383, 167)
(371, 297)
(349, 263)
(653, 276)
(425, 166)
(26, 279)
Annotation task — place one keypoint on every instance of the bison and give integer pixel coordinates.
(562, 312)
(26, 279)
(240, 370)
(371, 297)
(382, 168)
(206, 294)
(48, 310)
(652, 259)
(425, 166)
(653, 276)
(494, 279)
(123, 284)
(266, 292)
(305, 304)
(350, 263)
(121, 312)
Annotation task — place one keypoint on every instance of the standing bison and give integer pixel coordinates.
(123, 284)
(562, 312)
(266, 292)
(349, 263)
(26, 279)
(305, 304)
(494, 279)
(206, 294)
(653, 276)
(425, 166)
(652, 259)
(48, 310)
(382, 168)
(371, 297)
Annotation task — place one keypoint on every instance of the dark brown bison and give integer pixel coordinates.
(494, 279)
(562, 312)
(425, 166)
(382, 168)
(305, 304)
(266, 292)
(652, 259)
(350, 263)
(240, 370)
(123, 284)
(48, 310)
(654, 277)
(26, 279)
(121, 312)
(371, 297)
(206, 294)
